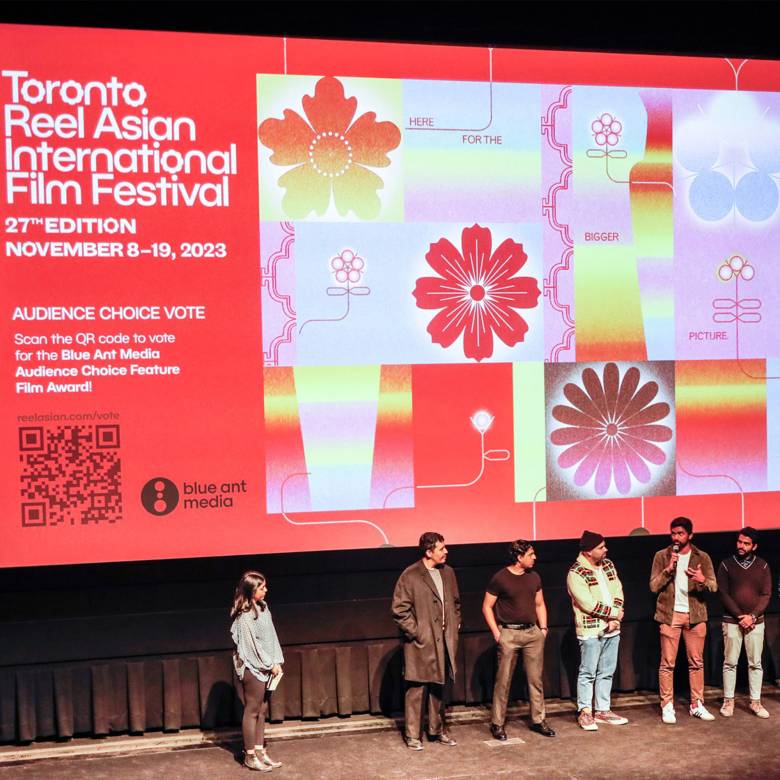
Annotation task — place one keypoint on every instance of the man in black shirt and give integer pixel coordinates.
(516, 615)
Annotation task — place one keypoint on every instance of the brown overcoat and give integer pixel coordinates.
(417, 611)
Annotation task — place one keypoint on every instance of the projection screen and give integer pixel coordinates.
(272, 295)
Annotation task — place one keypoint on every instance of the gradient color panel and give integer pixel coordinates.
(773, 424)
(528, 398)
(480, 158)
(721, 426)
(338, 410)
(607, 273)
(651, 207)
(284, 445)
(727, 155)
(393, 446)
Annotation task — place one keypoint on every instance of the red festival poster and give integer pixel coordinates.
(270, 295)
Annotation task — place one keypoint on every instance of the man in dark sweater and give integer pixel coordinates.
(745, 586)
(516, 615)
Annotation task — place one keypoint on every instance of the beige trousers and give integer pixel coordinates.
(733, 639)
(529, 642)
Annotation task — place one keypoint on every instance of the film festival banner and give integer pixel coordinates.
(271, 295)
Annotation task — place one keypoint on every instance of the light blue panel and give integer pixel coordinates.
(338, 443)
(386, 326)
(466, 106)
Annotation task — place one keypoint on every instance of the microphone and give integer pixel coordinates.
(675, 550)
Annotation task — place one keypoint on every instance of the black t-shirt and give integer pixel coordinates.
(516, 595)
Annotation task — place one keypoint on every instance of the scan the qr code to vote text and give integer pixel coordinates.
(70, 475)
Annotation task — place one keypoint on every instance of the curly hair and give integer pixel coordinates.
(518, 549)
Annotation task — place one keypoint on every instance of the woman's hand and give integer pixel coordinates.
(276, 670)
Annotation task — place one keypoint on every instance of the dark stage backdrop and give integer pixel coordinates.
(137, 647)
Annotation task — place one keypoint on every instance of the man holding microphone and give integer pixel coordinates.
(681, 576)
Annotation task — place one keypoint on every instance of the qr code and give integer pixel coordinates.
(71, 475)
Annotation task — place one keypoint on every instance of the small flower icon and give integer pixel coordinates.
(736, 265)
(606, 130)
(348, 267)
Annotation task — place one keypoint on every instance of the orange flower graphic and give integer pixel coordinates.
(330, 153)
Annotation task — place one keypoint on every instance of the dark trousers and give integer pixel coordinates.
(414, 708)
(253, 696)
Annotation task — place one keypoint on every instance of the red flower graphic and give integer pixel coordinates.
(330, 153)
(477, 292)
(611, 429)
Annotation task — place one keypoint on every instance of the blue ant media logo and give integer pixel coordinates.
(160, 496)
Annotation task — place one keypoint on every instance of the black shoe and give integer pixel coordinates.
(443, 739)
(497, 732)
(543, 729)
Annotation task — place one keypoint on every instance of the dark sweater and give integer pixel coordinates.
(744, 590)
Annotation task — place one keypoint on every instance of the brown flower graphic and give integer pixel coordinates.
(610, 428)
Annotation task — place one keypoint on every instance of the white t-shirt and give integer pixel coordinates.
(681, 584)
(606, 596)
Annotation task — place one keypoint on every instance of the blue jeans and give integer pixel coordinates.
(598, 659)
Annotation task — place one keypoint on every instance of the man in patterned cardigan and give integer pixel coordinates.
(597, 598)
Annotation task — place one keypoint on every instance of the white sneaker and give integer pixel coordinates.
(667, 713)
(700, 711)
(758, 709)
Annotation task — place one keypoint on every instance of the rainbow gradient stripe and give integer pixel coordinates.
(721, 426)
(283, 441)
(393, 465)
(653, 220)
(340, 436)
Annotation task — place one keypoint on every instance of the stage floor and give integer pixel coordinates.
(743, 746)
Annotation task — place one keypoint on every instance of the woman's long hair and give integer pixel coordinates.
(245, 590)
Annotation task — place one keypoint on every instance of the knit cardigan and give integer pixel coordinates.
(591, 614)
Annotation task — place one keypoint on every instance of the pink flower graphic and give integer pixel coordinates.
(610, 429)
(477, 291)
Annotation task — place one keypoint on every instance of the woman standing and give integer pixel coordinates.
(257, 658)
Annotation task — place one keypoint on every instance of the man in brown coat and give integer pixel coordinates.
(426, 607)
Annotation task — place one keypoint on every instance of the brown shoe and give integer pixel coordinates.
(443, 739)
(727, 708)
